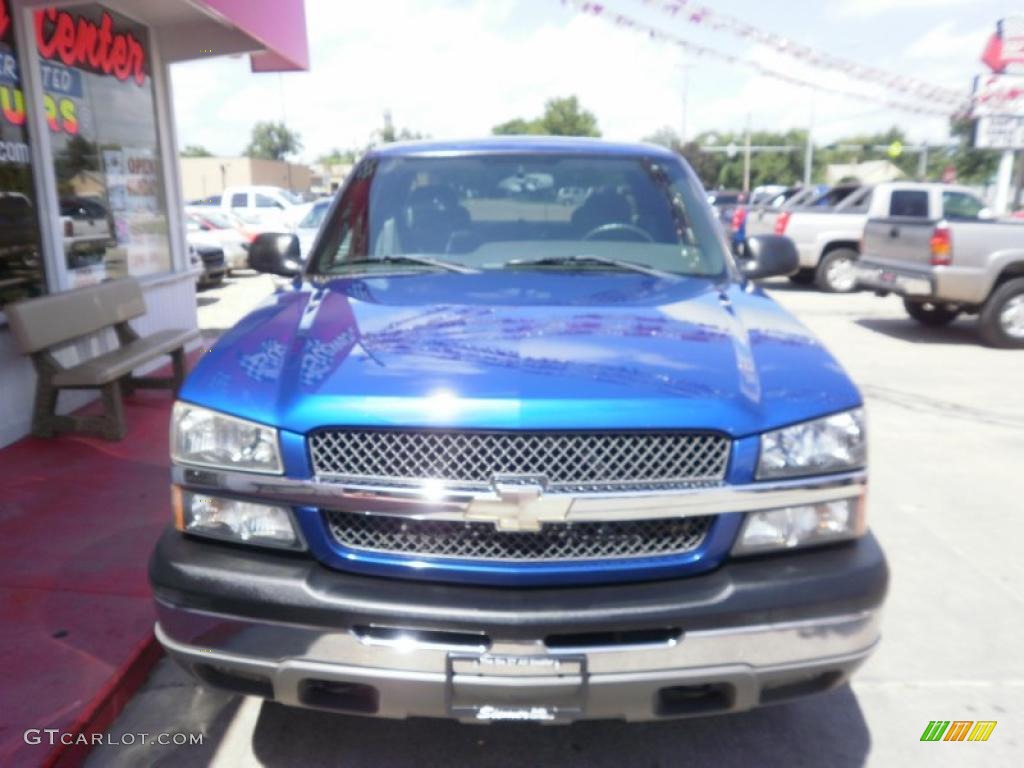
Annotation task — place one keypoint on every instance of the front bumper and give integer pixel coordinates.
(752, 632)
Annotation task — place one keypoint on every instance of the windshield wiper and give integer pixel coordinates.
(425, 261)
(586, 258)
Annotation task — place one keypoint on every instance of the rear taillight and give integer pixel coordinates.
(69, 228)
(782, 222)
(738, 217)
(941, 245)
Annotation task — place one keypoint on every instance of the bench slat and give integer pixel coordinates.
(48, 321)
(112, 365)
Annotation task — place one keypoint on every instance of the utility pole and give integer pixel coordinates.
(686, 99)
(809, 152)
(1018, 196)
(922, 163)
(746, 159)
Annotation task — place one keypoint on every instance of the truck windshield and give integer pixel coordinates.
(514, 211)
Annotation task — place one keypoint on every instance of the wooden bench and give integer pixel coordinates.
(39, 326)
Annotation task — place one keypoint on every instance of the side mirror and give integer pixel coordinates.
(205, 227)
(276, 254)
(769, 256)
(986, 214)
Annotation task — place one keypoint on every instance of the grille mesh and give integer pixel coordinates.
(482, 541)
(569, 461)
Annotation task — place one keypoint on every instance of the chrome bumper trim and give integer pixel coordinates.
(870, 275)
(620, 681)
(490, 506)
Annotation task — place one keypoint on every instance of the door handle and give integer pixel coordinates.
(894, 232)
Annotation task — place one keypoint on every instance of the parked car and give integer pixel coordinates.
(213, 201)
(827, 233)
(310, 224)
(20, 267)
(938, 247)
(485, 464)
(760, 220)
(265, 207)
(88, 231)
(208, 261)
(215, 228)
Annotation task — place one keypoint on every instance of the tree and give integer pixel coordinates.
(340, 157)
(273, 141)
(194, 150)
(562, 117)
(388, 134)
(972, 165)
(517, 127)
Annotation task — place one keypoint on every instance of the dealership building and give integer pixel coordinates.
(90, 186)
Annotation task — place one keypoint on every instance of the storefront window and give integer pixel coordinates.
(101, 112)
(21, 263)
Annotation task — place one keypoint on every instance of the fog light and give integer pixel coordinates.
(233, 520)
(801, 526)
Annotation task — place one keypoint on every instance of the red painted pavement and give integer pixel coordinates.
(79, 519)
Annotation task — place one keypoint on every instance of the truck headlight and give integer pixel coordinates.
(210, 439)
(833, 444)
(801, 526)
(246, 522)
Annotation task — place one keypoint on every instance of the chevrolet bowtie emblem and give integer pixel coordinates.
(520, 506)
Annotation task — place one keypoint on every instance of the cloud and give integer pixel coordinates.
(456, 68)
(446, 69)
(943, 41)
(871, 8)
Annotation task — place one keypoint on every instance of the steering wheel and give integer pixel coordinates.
(620, 226)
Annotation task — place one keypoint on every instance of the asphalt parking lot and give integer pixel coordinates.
(947, 502)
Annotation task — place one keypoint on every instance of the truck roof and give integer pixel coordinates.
(535, 144)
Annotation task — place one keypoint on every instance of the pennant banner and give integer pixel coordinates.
(599, 10)
(703, 16)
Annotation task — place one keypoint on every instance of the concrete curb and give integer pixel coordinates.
(100, 713)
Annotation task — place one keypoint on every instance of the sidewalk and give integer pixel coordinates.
(80, 517)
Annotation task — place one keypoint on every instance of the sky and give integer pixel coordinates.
(456, 68)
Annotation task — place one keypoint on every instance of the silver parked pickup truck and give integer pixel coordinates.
(940, 249)
(827, 233)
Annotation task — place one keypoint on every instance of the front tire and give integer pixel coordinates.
(1001, 322)
(837, 271)
(802, 277)
(932, 314)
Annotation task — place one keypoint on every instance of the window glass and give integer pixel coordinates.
(262, 201)
(315, 216)
(21, 264)
(218, 220)
(909, 202)
(961, 207)
(101, 113)
(490, 211)
(239, 200)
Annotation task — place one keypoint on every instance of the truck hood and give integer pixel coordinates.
(525, 349)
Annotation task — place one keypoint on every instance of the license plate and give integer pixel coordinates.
(887, 277)
(536, 688)
(531, 714)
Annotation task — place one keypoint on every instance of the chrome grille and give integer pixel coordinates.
(482, 541)
(567, 461)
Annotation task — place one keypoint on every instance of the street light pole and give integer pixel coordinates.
(1003, 180)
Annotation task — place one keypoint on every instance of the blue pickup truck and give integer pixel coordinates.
(493, 455)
